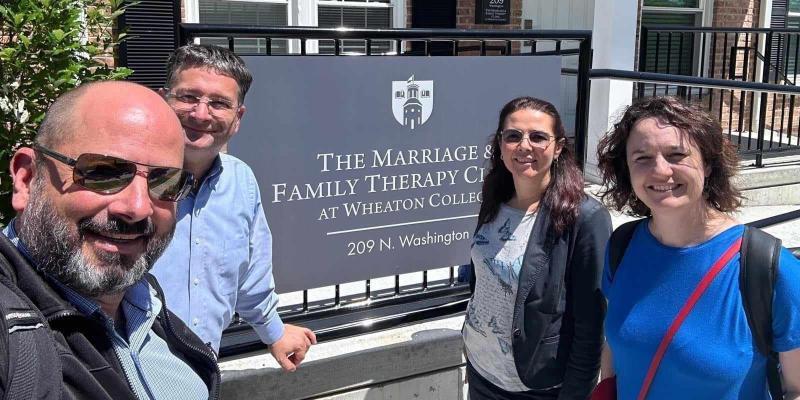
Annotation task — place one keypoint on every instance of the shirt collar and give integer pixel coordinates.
(210, 177)
(11, 233)
(215, 170)
(141, 296)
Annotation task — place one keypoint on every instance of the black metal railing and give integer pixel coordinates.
(749, 132)
(392, 303)
(767, 123)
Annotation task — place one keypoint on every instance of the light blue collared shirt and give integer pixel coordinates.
(220, 259)
(151, 369)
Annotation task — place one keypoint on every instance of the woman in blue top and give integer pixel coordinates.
(670, 163)
(533, 328)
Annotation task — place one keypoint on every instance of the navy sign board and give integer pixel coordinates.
(372, 166)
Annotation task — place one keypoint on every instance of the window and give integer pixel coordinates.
(671, 53)
(373, 14)
(792, 41)
(261, 13)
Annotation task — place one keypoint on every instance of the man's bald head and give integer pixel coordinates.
(97, 242)
(106, 99)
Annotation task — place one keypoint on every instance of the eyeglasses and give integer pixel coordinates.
(188, 102)
(108, 175)
(537, 139)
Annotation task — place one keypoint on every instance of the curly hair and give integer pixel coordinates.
(706, 133)
(563, 194)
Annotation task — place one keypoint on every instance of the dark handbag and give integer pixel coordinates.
(605, 390)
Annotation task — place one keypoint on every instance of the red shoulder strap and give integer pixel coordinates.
(684, 312)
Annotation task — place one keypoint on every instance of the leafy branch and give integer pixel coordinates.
(48, 47)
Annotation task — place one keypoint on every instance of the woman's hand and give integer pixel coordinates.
(607, 362)
(790, 372)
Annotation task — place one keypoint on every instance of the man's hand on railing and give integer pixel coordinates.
(291, 348)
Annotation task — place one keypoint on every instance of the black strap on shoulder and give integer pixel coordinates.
(758, 269)
(33, 368)
(29, 361)
(618, 243)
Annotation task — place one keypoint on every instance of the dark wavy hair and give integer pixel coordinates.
(705, 132)
(563, 194)
(215, 58)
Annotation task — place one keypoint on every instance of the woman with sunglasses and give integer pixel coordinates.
(533, 328)
(676, 325)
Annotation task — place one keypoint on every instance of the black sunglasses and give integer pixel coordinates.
(108, 175)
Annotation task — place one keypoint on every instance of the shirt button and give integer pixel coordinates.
(197, 212)
(197, 241)
(196, 281)
(517, 332)
(195, 321)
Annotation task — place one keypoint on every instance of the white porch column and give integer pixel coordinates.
(399, 13)
(304, 13)
(614, 43)
(192, 14)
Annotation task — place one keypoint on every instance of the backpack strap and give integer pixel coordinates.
(618, 243)
(758, 271)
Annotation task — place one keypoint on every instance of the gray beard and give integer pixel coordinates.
(57, 250)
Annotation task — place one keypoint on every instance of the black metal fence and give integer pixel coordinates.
(760, 123)
(385, 302)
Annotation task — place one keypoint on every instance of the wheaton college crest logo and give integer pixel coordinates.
(412, 102)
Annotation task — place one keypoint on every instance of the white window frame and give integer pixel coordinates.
(192, 14)
(192, 9)
(793, 15)
(392, 5)
(705, 8)
(305, 13)
(398, 9)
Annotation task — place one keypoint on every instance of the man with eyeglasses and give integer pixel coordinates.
(220, 259)
(95, 200)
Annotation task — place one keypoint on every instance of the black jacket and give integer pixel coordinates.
(559, 309)
(89, 368)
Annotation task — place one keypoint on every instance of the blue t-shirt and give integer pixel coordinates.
(713, 355)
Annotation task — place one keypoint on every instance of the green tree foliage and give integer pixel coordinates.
(46, 48)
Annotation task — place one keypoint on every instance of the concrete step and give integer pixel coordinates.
(773, 185)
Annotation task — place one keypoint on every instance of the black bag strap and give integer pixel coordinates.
(757, 274)
(618, 243)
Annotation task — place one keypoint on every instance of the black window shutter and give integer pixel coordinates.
(152, 37)
(433, 14)
(780, 9)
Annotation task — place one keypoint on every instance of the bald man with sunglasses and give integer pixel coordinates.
(95, 198)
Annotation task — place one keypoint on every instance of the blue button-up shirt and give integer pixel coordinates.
(152, 371)
(220, 259)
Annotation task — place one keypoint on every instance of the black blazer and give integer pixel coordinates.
(559, 309)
